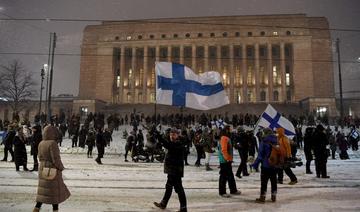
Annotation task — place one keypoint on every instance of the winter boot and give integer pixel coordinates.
(261, 199)
(207, 167)
(36, 209)
(160, 205)
(182, 210)
(273, 197)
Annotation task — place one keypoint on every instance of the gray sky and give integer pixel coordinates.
(28, 37)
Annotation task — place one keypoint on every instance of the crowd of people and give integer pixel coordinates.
(199, 132)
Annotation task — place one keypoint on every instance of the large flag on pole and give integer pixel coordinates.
(272, 119)
(178, 85)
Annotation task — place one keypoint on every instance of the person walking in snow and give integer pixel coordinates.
(174, 168)
(267, 171)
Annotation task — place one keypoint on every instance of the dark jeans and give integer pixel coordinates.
(55, 206)
(175, 182)
(226, 176)
(320, 167)
(242, 167)
(266, 174)
(90, 149)
(6, 149)
(308, 162)
(288, 172)
(200, 154)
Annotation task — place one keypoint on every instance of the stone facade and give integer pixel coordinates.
(263, 59)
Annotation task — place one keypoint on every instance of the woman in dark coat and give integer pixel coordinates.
(20, 150)
(50, 191)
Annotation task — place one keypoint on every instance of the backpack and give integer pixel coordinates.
(276, 158)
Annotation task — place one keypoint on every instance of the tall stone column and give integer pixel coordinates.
(206, 57)
(218, 59)
(270, 72)
(122, 74)
(133, 75)
(257, 71)
(244, 72)
(193, 57)
(145, 77)
(282, 71)
(169, 53)
(181, 54)
(232, 73)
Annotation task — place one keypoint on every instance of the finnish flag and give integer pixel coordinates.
(178, 85)
(273, 119)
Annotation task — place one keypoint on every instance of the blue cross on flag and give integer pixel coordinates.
(273, 119)
(178, 85)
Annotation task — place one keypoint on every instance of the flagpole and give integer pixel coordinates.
(155, 112)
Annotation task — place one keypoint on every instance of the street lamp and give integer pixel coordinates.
(42, 74)
(340, 82)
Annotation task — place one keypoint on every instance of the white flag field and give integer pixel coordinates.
(272, 119)
(178, 85)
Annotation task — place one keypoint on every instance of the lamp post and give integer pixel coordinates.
(41, 86)
(340, 82)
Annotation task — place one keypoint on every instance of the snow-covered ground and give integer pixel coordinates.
(120, 186)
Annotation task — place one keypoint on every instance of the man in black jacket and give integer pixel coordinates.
(36, 138)
(320, 151)
(174, 168)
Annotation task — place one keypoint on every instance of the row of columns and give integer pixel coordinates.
(244, 66)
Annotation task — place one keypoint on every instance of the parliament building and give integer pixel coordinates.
(277, 59)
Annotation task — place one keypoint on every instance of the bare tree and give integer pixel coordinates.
(16, 85)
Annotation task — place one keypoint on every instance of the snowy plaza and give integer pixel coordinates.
(128, 186)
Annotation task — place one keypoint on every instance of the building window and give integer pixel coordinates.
(225, 34)
(151, 36)
(128, 37)
(263, 96)
(237, 76)
(262, 33)
(187, 35)
(276, 96)
(237, 34)
(152, 97)
(175, 35)
(163, 36)
(117, 38)
(275, 51)
(141, 77)
(287, 78)
(288, 33)
(249, 34)
(276, 76)
(200, 35)
(262, 51)
(250, 76)
(118, 81)
(238, 97)
(128, 97)
(262, 75)
(140, 98)
(140, 37)
(212, 34)
(275, 33)
(249, 52)
(288, 95)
